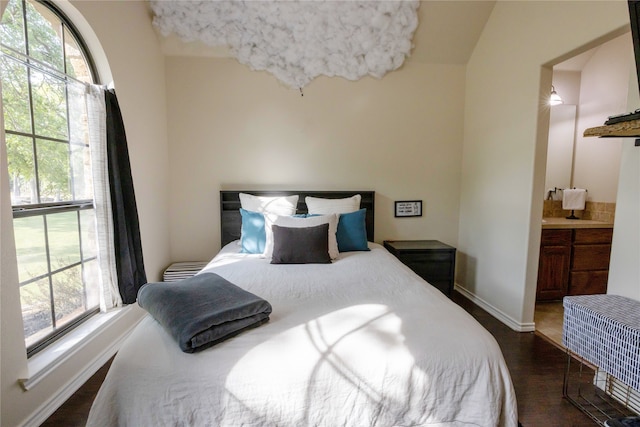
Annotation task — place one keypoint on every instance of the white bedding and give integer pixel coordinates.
(359, 342)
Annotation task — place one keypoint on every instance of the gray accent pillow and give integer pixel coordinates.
(301, 245)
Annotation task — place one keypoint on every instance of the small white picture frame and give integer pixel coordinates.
(408, 208)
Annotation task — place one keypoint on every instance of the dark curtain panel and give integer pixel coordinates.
(128, 246)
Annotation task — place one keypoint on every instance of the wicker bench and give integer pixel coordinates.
(603, 331)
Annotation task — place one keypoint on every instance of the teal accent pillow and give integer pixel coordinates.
(352, 231)
(253, 237)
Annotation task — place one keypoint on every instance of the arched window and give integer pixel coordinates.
(45, 69)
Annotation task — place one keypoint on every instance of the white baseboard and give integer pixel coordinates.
(498, 314)
(50, 406)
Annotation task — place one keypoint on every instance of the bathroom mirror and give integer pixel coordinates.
(562, 125)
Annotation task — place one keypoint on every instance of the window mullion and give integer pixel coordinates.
(39, 65)
(34, 145)
(24, 26)
(50, 276)
(36, 179)
(84, 283)
(46, 208)
(64, 47)
(66, 98)
(66, 267)
(42, 137)
(69, 147)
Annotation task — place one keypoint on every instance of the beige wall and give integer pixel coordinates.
(598, 90)
(624, 272)
(505, 144)
(603, 92)
(132, 50)
(230, 127)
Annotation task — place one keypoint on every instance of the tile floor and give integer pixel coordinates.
(548, 318)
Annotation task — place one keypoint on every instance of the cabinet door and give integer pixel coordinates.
(553, 272)
(593, 235)
(590, 257)
(588, 282)
(554, 237)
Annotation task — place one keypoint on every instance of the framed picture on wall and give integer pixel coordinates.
(407, 208)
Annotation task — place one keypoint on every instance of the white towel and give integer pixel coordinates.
(574, 198)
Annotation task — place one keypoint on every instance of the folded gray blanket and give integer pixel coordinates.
(202, 310)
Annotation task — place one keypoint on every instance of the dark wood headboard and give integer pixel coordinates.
(231, 220)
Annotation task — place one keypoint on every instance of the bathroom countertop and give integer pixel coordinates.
(573, 223)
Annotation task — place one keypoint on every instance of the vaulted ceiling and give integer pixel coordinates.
(448, 30)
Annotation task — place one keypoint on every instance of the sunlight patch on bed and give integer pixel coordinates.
(328, 357)
(229, 258)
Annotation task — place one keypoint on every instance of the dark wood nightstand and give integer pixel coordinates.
(432, 260)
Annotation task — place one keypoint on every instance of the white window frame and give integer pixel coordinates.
(43, 209)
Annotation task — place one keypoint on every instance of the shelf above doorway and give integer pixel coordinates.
(628, 129)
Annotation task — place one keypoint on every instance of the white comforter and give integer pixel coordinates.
(359, 342)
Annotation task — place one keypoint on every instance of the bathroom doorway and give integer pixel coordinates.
(593, 86)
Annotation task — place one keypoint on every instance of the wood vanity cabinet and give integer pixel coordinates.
(590, 261)
(554, 264)
(573, 262)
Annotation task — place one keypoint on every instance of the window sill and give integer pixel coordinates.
(47, 360)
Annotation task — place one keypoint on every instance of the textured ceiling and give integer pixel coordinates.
(299, 40)
(447, 34)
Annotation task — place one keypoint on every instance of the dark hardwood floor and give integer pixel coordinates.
(536, 367)
(74, 412)
(537, 371)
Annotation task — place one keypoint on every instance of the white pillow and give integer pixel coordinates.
(316, 205)
(281, 205)
(296, 222)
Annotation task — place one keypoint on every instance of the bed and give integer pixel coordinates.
(359, 341)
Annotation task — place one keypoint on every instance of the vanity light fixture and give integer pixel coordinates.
(554, 98)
